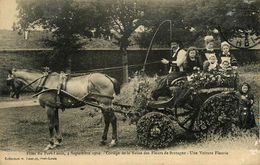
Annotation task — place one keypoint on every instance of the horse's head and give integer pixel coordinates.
(13, 84)
(19, 77)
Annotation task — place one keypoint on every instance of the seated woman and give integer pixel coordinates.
(192, 62)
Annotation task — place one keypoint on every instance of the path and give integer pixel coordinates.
(18, 103)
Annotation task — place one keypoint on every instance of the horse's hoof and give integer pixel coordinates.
(49, 146)
(102, 143)
(58, 142)
(113, 143)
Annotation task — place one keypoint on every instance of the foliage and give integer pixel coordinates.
(123, 17)
(155, 130)
(220, 114)
(136, 91)
(193, 19)
(67, 21)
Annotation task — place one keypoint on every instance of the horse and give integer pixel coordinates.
(100, 87)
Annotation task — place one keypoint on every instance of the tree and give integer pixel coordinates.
(122, 19)
(193, 19)
(67, 21)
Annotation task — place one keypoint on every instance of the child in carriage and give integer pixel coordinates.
(225, 66)
(246, 101)
(211, 64)
(192, 62)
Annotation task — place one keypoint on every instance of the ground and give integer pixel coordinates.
(26, 129)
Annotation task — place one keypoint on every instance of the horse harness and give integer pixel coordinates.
(39, 87)
(61, 86)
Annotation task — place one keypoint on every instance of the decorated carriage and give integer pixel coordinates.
(203, 103)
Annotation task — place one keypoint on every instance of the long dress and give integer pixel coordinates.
(247, 117)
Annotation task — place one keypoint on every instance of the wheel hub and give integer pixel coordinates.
(155, 131)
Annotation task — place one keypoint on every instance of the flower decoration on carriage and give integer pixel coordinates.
(215, 78)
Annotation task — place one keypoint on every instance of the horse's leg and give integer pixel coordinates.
(51, 118)
(114, 129)
(107, 122)
(57, 127)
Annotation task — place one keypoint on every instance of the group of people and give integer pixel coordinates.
(187, 62)
(207, 60)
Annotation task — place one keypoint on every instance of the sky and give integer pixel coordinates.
(7, 13)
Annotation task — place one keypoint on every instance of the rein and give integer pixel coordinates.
(20, 90)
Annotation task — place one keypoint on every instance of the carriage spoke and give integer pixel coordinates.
(192, 123)
(186, 120)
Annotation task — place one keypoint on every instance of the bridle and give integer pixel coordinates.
(39, 87)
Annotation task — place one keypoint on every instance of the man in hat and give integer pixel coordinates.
(175, 71)
(178, 57)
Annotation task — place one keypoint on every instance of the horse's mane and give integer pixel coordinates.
(30, 70)
(35, 71)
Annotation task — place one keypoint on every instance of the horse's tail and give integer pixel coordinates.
(116, 84)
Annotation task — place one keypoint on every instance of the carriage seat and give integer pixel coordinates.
(161, 103)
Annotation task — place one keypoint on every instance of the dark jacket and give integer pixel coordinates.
(246, 116)
(247, 101)
(189, 65)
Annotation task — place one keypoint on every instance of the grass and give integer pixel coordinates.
(12, 40)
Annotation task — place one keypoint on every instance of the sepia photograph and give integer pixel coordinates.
(130, 82)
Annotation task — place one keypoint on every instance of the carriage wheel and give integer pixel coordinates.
(188, 119)
(155, 130)
(220, 113)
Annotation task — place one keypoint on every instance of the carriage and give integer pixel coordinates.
(203, 103)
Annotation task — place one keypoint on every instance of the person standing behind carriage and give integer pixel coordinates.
(209, 51)
(246, 101)
(192, 62)
(226, 56)
(176, 70)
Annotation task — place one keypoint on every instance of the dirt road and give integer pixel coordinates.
(18, 103)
